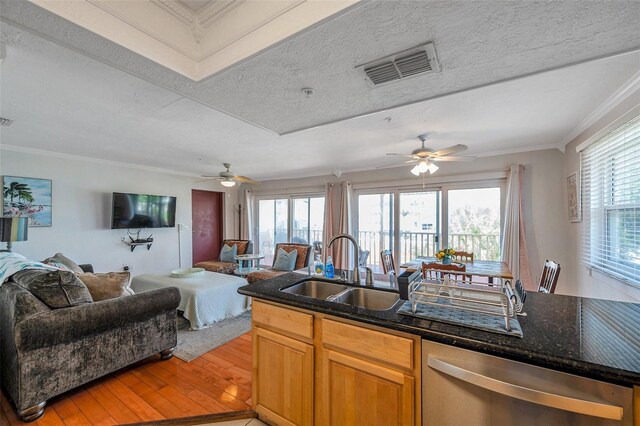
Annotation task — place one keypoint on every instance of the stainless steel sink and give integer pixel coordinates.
(315, 289)
(368, 298)
(355, 296)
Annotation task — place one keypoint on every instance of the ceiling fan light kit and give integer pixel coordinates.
(425, 157)
(229, 180)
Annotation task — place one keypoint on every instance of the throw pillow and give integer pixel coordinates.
(285, 261)
(61, 258)
(228, 253)
(10, 263)
(107, 286)
(56, 289)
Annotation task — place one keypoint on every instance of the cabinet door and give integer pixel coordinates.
(358, 392)
(283, 378)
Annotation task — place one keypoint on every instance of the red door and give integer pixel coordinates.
(206, 216)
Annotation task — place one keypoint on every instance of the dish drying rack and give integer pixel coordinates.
(496, 298)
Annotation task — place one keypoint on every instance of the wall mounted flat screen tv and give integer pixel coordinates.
(142, 211)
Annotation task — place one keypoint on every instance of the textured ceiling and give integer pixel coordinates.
(73, 92)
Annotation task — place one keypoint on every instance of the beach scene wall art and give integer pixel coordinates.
(28, 197)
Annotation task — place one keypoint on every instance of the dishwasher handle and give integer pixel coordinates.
(600, 409)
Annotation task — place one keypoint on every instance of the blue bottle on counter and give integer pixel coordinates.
(328, 269)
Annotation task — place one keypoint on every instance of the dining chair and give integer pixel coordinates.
(386, 259)
(438, 270)
(549, 278)
(464, 256)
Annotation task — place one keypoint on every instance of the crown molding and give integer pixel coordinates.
(627, 89)
(177, 10)
(159, 37)
(216, 10)
(189, 43)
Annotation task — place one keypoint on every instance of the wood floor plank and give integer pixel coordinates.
(69, 412)
(133, 401)
(152, 390)
(118, 409)
(91, 409)
(50, 418)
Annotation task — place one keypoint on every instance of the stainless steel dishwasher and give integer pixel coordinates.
(463, 387)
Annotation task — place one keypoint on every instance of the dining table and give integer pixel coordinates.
(484, 268)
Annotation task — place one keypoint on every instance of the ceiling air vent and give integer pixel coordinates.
(418, 60)
(5, 122)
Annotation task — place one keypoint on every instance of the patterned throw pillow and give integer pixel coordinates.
(60, 258)
(56, 289)
(10, 263)
(285, 261)
(227, 254)
(107, 286)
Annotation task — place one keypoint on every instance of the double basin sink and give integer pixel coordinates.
(362, 297)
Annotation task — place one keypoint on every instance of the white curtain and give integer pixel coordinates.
(338, 220)
(514, 245)
(247, 217)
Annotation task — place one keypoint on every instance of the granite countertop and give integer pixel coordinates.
(593, 338)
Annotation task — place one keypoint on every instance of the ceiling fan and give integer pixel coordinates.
(228, 179)
(426, 157)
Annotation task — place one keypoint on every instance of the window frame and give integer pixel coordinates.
(601, 256)
(443, 188)
(290, 197)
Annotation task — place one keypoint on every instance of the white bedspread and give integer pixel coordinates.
(205, 299)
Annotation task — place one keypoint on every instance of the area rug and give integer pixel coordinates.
(193, 343)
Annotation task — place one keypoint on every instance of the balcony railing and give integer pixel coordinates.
(412, 244)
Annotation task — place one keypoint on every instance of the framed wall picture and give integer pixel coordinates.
(29, 197)
(573, 197)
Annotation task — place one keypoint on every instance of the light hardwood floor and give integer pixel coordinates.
(218, 381)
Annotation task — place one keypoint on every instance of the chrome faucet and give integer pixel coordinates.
(356, 269)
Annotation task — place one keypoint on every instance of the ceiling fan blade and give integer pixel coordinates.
(452, 158)
(389, 166)
(446, 151)
(211, 176)
(401, 155)
(245, 179)
(207, 179)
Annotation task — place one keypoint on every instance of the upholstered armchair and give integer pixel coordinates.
(46, 352)
(303, 260)
(226, 267)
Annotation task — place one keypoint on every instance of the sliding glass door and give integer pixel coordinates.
(375, 225)
(295, 219)
(474, 221)
(419, 224)
(273, 226)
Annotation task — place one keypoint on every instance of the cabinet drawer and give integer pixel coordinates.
(387, 348)
(287, 321)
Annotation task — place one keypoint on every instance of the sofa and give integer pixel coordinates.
(222, 267)
(47, 351)
(303, 260)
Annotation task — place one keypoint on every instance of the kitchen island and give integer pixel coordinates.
(590, 338)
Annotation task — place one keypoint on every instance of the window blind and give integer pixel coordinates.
(610, 176)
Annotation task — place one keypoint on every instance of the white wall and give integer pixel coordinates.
(82, 209)
(584, 282)
(544, 207)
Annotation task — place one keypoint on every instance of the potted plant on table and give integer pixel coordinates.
(445, 255)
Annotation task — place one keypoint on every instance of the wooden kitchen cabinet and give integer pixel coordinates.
(361, 392)
(311, 368)
(283, 378)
